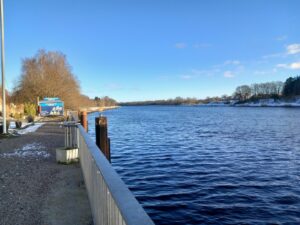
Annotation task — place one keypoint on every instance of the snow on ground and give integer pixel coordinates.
(30, 129)
(26, 128)
(260, 103)
(12, 124)
(34, 150)
(272, 103)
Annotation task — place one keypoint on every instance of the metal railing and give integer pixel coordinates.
(71, 140)
(111, 201)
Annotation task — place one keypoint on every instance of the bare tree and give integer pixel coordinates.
(105, 101)
(47, 74)
(279, 87)
(242, 92)
(267, 89)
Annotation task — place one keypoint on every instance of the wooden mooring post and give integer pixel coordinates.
(83, 120)
(102, 140)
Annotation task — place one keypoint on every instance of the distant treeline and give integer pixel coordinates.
(175, 101)
(105, 101)
(278, 89)
(275, 89)
(261, 90)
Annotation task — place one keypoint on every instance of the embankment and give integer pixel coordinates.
(97, 109)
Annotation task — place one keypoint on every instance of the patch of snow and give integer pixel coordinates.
(29, 150)
(272, 103)
(30, 129)
(12, 125)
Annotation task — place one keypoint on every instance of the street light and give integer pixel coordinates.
(3, 69)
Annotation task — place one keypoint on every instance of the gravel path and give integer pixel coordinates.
(34, 189)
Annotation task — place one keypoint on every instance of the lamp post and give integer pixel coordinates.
(3, 69)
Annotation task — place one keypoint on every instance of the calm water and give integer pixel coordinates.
(201, 165)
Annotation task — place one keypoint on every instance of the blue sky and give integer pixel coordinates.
(141, 50)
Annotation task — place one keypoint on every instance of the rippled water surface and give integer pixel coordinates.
(201, 165)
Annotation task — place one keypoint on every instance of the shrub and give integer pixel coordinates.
(18, 116)
(30, 111)
(18, 124)
(30, 119)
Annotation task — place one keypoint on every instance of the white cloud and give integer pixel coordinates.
(198, 72)
(260, 72)
(228, 63)
(113, 86)
(274, 55)
(202, 45)
(228, 74)
(281, 38)
(292, 66)
(232, 62)
(186, 77)
(195, 73)
(282, 65)
(293, 49)
(206, 72)
(180, 45)
(295, 65)
(265, 72)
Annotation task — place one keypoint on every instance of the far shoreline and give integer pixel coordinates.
(98, 109)
(221, 105)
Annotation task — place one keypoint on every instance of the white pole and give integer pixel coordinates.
(3, 69)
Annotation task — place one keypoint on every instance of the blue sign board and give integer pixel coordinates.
(51, 107)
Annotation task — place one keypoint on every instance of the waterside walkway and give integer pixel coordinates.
(34, 189)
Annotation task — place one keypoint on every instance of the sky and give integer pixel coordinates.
(142, 50)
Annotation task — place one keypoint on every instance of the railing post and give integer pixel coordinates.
(102, 140)
(83, 120)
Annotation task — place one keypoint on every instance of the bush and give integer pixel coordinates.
(18, 116)
(30, 111)
(30, 119)
(18, 124)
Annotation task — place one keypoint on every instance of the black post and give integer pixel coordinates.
(102, 140)
(97, 131)
(83, 120)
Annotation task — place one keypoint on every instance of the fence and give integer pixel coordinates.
(111, 201)
(71, 140)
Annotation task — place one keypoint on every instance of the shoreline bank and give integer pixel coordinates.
(282, 105)
(97, 109)
(259, 103)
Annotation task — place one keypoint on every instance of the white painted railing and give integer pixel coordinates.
(111, 201)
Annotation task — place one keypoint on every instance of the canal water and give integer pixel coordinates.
(209, 165)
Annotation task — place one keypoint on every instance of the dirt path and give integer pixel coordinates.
(34, 189)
